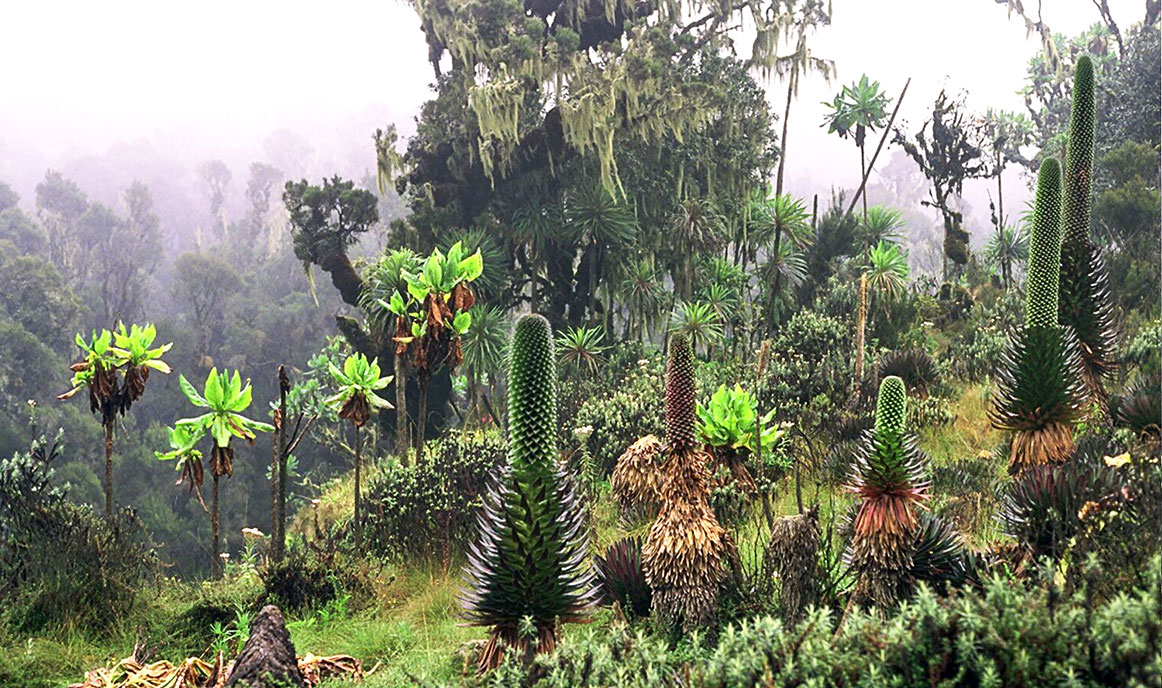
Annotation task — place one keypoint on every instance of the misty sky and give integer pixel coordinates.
(214, 79)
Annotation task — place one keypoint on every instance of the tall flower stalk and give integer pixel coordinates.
(1085, 303)
(686, 547)
(1040, 390)
(526, 570)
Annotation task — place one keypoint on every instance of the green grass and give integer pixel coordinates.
(969, 435)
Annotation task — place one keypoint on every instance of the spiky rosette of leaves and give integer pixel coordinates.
(686, 548)
(681, 399)
(1140, 410)
(1040, 392)
(915, 367)
(889, 482)
(526, 569)
(637, 478)
(623, 580)
(939, 555)
(1085, 301)
(1044, 507)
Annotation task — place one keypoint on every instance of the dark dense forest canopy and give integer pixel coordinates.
(573, 351)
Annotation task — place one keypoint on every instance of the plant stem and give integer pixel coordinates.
(109, 469)
(401, 409)
(358, 515)
(214, 531)
(861, 324)
(279, 541)
(274, 463)
(422, 416)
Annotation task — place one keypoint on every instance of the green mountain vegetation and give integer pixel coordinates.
(573, 391)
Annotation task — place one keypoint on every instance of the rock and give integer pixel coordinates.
(268, 658)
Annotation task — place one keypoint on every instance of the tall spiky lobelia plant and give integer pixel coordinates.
(1040, 392)
(686, 547)
(1085, 303)
(889, 482)
(526, 569)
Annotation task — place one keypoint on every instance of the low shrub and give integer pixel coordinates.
(62, 566)
(1005, 634)
(426, 509)
(299, 582)
(620, 417)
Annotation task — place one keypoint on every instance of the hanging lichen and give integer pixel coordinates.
(608, 70)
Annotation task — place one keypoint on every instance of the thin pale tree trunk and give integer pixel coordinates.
(861, 323)
(358, 501)
(279, 537)
(215, 534)
(109, 506)
(401, 408)
(274, 452)
(422, 419)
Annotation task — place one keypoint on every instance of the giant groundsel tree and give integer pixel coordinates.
(224, 397)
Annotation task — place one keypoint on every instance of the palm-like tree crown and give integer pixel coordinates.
(857, 109)
(887, 271)
(882, 224)
(358, 382)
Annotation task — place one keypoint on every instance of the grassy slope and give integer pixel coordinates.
(413, 629)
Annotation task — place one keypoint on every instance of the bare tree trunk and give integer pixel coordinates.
(358, 510)
(861, 324)
(786, 115)
(279, 538)
(422, 419)
(215, 535)
(863, 175)
(274, 452)
(402, 441)
(109, 507)
(1000, 195)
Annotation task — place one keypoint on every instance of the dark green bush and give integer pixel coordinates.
(426, 509)
(1005, 634)
(61, 566)
(622, 414)
(299, 582)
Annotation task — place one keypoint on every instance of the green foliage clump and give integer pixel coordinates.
(729, 420)
(426, 508)
(1000, 635)
(630, 409)
(299, 582)
(810, 368)
(62, 567)
(978, 343)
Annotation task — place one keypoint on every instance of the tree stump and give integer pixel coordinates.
(268, 658)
